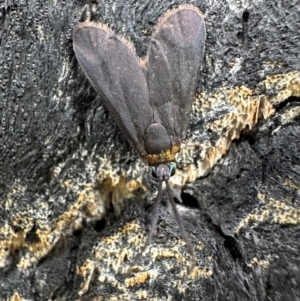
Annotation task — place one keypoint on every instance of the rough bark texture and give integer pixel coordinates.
(75, 196)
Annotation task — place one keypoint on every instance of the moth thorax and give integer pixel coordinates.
(157, 139)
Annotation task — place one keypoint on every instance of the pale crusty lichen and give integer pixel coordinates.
(255, 262)
(111, 257)
(272, 211)
(245, 107)
(91, 203)
(15, 297)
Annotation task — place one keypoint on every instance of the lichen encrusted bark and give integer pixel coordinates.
(70, 182)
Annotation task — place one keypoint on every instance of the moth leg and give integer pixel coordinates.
(154, 220)
(183, 233)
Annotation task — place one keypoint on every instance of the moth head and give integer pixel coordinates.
(163, 171)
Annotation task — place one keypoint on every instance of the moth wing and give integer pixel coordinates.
(174, 61)
(113, 69)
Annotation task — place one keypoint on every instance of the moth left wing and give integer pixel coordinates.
(114, 70)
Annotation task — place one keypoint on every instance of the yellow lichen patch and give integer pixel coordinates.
(71, 220)
(198, 247)
(87, 272)
(16, 190)
(111, 252)
(205, 102)
(111, 257)
(126, 230)
(17, 297)
(287, 84)
(9, 247)
(276, 212)
(181, 287)
(244, 107)
(170, 253)
(291, 184)
(99, 298)
(133, 185)
(139, 278)
(158, 253)
(270, 65)
(56, 170)
(290, 114)
(92, 203)
(67, 183)
(262, 197)
(198, 272)
(142, 294)
(211, 155)
(248, 108)
(87, 266)
(117, 189)
(119, 192)
(284, 214)
(130, 227)
(256, 262)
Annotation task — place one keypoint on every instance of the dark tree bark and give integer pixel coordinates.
(75, 196)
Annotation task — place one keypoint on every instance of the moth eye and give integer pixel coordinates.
(172, 169)
(153, 172)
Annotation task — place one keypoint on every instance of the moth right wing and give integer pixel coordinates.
(174, 60)
(113, 69)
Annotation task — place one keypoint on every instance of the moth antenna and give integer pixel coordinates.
(154, 219)
(183, 233)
